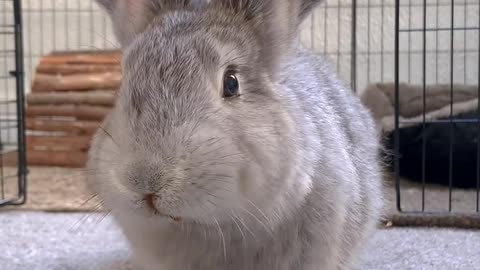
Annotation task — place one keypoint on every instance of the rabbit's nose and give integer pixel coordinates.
(150, 201)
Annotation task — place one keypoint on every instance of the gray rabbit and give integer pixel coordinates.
(231, 146)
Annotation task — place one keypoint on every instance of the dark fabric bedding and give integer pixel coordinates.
(435, 152)
(462, 154)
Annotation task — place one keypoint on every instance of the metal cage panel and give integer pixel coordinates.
(437, 43)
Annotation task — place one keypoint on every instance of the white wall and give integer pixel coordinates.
(376, 39)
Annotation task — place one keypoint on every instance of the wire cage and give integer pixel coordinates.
(437, 147)
(357, 37)
(12, 141)
(62, 26)
(395, 47)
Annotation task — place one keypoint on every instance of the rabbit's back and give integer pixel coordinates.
(343, 141)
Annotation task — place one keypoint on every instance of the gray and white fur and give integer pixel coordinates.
(286, 176)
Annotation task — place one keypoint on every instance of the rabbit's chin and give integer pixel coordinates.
(147, 216)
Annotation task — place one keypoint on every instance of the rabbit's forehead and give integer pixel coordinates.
(164, 58)
(187, 55)
(169, 70)
(189, 41)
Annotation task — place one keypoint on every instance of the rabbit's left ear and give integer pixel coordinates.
(275, 22)
(307, 7)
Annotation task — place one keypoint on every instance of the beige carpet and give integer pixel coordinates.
(54, 189)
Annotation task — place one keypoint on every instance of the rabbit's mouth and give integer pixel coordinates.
(149, 201)
(158, 213)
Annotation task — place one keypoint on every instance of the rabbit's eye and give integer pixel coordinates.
(230, 85)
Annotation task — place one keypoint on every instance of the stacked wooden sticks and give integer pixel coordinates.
(71, 94)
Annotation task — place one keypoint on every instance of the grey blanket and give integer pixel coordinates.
(380, 99)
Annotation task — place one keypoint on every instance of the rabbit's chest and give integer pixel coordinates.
(235, 259)
(211, 250)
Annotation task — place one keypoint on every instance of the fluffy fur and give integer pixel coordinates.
(285, 176)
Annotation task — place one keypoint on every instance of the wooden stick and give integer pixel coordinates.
(58, 143)
(47, 83)
(105, 98)
(81, 112)
(108, 58)
(439, 220)
(74, 159)
(68, 69)
(68, 127)
(94, 52)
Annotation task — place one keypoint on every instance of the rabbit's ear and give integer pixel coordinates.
(130, 17)
(107, 4)
(307, 7)
(275, 22)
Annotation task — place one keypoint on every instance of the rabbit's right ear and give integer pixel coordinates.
(129, 17)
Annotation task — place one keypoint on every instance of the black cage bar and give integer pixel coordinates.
(12, 135)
